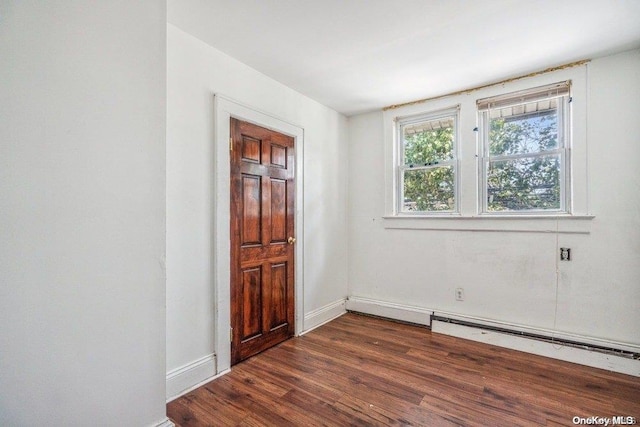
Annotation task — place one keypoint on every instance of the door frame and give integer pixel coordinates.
(224, 109)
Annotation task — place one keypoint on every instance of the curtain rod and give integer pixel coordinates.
(513, 79)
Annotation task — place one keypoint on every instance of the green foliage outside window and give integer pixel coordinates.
(524, 183)
(520, 175)
(429, 188)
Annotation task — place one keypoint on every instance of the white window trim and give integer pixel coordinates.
(400, 167)
(469, 218)
(564, 150)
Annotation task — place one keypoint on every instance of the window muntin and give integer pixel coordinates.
(427, 167)
(524, 145)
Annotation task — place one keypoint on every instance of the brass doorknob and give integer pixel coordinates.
(291, 240)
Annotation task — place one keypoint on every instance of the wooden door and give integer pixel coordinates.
(262, 239)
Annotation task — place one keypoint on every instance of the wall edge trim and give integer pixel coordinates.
(390, 310)
(325, 314)
(190, 376)
(165, 423)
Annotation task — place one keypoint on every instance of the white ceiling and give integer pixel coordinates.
(361, 55)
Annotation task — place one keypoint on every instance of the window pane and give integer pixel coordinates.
(512, 130)
(524, 184)
(429, 189)
(428, 142)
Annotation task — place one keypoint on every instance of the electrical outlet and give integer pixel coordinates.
(459, 294)
(565, 254)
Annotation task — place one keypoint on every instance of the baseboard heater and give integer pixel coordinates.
(569, 343)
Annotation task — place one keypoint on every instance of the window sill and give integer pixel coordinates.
(568, 224)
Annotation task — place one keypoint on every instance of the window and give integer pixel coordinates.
(509, 157)
(525, 161)
(427, 163)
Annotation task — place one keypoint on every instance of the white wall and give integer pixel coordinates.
(82, 222)
(511, 276)
(196, 72)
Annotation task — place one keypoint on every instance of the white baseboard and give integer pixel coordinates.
(190, 376)
(324, 314)
(558, 351)
(390, 310)
(165, 423)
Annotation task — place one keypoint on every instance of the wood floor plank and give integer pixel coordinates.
(309, 383)
(359, 370)
(394, 413)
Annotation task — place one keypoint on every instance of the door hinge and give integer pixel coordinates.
(230, 144)
(231, 334)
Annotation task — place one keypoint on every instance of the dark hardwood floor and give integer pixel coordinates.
(359, 370)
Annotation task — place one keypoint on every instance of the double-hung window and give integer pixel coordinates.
(427, 163)
(525, 158)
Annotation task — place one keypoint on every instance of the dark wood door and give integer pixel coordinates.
(262, 239)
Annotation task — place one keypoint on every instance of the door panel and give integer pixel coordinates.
(278, 211)
(251, 279)
(278, 156)
(251, 210)
(262, 231)
(278, 293)
(251, 149)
